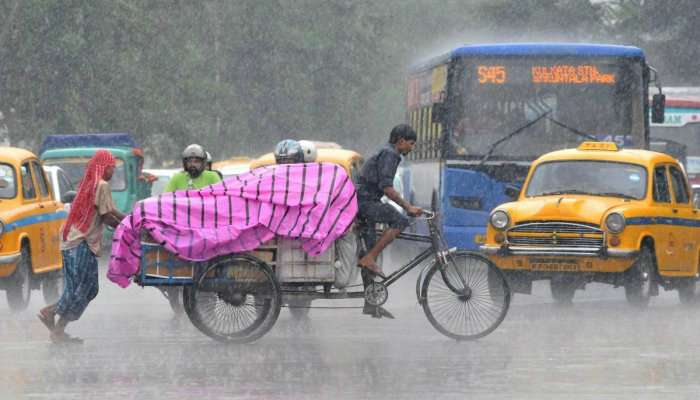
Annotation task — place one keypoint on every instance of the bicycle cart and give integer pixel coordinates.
(237, 298)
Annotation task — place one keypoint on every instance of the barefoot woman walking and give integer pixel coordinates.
(81, 244)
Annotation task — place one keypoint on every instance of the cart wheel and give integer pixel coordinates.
(465, 313)
(237, 299)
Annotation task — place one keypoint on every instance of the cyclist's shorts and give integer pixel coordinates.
(377, 212)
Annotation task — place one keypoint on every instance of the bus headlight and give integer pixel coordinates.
(499, 220)
(615, 222)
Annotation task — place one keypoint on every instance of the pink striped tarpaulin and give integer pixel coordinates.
(313, 202)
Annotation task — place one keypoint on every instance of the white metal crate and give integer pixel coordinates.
(294, 265)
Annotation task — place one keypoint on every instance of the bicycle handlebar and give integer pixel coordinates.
(428, 214)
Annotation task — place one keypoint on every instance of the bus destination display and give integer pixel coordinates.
(564, 74)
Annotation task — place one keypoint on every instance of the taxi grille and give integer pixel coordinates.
(555, 238)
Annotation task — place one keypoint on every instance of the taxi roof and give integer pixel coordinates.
(634, 156)
(341, 157)
(15, 154)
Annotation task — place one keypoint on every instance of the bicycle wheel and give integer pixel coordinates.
(237, 299)
(467, 299)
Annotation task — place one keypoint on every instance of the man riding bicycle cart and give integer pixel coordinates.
(228, 245)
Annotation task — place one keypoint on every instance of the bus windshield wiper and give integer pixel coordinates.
(510, 135)
(573, 130)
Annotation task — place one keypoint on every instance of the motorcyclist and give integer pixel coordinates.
(194, 174)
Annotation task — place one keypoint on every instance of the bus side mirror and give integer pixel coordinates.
(439, 113)
(512, 191)
(658, 107)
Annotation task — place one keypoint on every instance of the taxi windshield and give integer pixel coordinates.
(597, 178)
(8, 186)
(74, 168)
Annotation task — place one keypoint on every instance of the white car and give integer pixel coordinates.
(60, 184)
(163, 177)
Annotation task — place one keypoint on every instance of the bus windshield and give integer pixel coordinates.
(75, 169)
(517, 108)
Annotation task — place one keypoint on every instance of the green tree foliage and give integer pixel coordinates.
(237, 76)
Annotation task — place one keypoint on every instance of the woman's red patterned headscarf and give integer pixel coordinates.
(82, 209)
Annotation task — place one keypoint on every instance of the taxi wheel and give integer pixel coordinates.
(19, 294)
(563, 290)
(52, 287)
(638, 279)
(687, 291)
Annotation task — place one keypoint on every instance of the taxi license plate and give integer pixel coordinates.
(554, 264)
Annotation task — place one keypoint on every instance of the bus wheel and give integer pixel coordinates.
(639, 279)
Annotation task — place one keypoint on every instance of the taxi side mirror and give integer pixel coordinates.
(658, 108)
(68, 197)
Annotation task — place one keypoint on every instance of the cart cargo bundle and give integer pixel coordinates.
(221, 242)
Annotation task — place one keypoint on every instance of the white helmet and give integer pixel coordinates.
(309, 149)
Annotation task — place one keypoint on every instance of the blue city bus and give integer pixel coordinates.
(484, 112)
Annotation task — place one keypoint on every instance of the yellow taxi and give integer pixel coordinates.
(600, 214)
(30, 221)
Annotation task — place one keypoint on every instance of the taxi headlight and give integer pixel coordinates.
(615, 222)
(499, 219)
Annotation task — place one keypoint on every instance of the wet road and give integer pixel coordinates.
(600, 348)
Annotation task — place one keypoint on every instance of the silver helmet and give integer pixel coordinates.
(194, 151)
(288, 151)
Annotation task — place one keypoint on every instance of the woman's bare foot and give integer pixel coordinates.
(62, 337)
